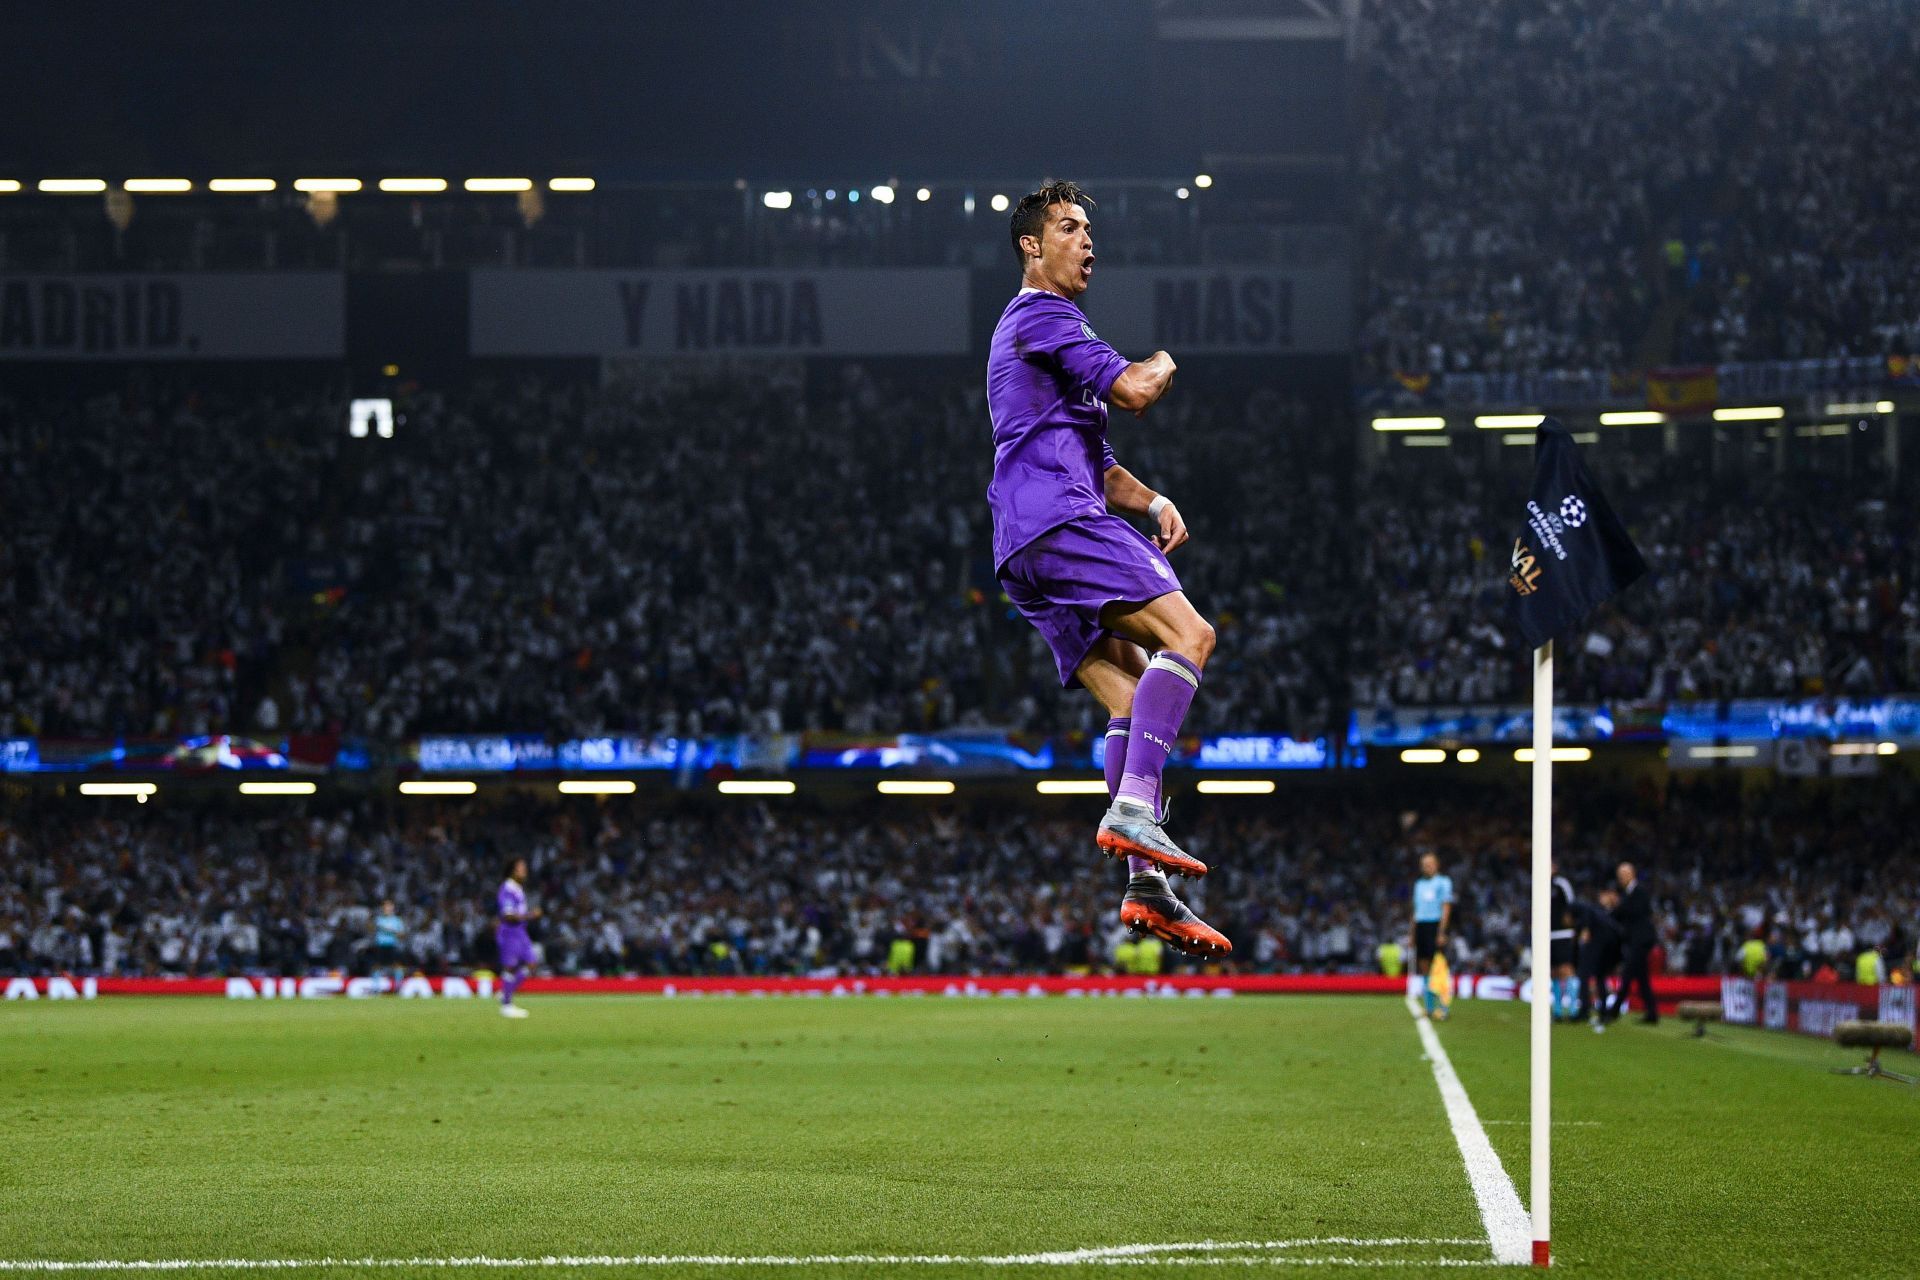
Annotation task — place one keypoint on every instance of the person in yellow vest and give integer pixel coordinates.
(1127, 955)
(1392, 964)
(1753, 957)
(1148, 957)
(1868, 969)
(900, 957)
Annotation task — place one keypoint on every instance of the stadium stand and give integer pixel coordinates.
(1515, 217)
(687, 888)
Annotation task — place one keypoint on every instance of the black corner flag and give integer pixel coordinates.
(1572, 552)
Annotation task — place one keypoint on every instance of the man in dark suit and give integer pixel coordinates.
(1637, 940)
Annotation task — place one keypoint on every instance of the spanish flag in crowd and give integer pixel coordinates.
(1689, 390)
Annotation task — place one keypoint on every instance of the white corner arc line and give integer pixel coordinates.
(1509, 1230)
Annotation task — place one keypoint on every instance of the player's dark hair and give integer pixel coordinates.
(1030, 215)
(511, 864)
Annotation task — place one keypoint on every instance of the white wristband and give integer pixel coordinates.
(1160, 503)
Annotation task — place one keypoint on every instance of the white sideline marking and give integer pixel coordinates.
(1569, 1124)
(1197, 1253)
(1509, 1229)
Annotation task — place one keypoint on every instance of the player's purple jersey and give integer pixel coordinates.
(1048, 376)
(513, 902)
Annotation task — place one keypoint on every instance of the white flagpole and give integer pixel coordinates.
(1542, 1010)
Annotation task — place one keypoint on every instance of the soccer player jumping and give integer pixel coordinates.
(1101, 593)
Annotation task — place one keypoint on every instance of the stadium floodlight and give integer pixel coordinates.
(413, 186)
(138, 790)
(1750, 413)
(1864, 749)
(882, 193)
(832, 194)
(9, 185)
(923, 195)
(1559, 755)
(1887, 749)
(1846, 407)
(1203, 180)
(777, 199)
(1508, 421)
(1518, 440)
(70, 186)
(1071, 786)
(570, 184)
(278, 788)
(438, 787)
(498, 184)
(1737, 751)
(915, 787)
(1467, 755)
(1423, 755)
(1428, 442)
(1409, 424)
(598, 787)
(1633, 418)
(1182, 192)
(1883, 406)
(157, 186)
(1235, 786)
(757, 787)
(1000, 203)
(1818, 430)
(335, 185)
(237, 186)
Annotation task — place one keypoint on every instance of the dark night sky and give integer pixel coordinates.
(747, 88)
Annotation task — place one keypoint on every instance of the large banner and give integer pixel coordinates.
(257, 315)
(1222, 310)
(480, 985)
(704, 313)
(1816, 1008)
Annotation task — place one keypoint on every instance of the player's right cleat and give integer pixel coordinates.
(512, 1011)
(1129, 830)
(1150, 907)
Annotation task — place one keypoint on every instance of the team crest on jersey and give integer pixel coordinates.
(1088, 330)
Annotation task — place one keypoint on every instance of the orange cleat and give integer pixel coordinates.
(1150, 907)
(1129, 830)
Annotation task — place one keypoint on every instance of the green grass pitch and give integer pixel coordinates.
(957, 1128)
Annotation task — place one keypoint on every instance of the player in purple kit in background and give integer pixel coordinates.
(1101, 593)
(516, 948)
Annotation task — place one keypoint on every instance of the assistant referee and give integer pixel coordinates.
(1432, 913)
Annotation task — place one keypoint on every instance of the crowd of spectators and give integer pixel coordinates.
(1316, 883)
(681, 556)
(1581, 184)
(808, 551)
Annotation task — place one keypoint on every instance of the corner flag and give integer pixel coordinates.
(1572, 553)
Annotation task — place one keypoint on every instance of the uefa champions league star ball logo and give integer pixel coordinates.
(1573, 511)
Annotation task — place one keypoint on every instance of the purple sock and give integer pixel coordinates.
(1116, 762)
(1159, 705)
(510, 983)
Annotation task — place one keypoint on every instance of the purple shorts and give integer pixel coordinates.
(516, 949)
(1063, 579)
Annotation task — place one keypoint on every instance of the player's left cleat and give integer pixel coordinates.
(1150, 907)
(1129, 830)
(512, 1011)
